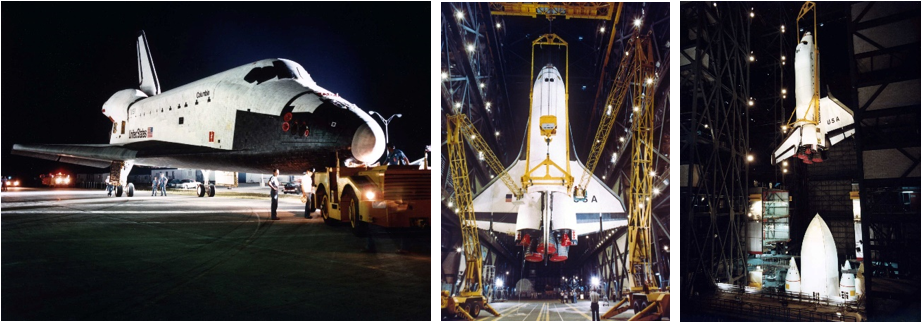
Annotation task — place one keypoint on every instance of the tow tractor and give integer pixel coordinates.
(387, 196)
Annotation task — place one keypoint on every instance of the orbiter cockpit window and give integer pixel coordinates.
(278, 70)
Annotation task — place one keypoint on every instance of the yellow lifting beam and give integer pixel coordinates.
(551, 10)
(470, 299)
(567, 178)
(614, 102)
(815, 102)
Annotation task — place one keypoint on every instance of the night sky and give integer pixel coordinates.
(61, 62)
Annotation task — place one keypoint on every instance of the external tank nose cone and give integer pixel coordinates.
(368, 143)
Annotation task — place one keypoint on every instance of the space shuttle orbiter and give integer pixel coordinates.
(256, 117)
(547, 220)
(819, 123)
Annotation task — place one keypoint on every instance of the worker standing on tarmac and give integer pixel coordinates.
(155, 185)
(395, 156)
(594, 305)
(163, 181)
(274, 192)
(307, 189)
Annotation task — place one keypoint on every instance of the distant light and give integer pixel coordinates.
(666, 248)
(784, 96)
(784, 91)
(751, 102)
(749, 158)
(603, 177)
(640, 205)
(752, 58)
(652, 173)
(594, 281)
(785, 163)
(621, 139)
(614, 157)
(470, 47)
(626, 53)
(752, 14)
(785, 170)
(482, 85)
(498, 25)
(705, 125)
(497, 133)
(784, 128)
(459, 249)
(637, 22)
(715, 4)
(649, 80)
(450, 204)
(783, 58)
(636, 108)
(491, 176)
(655, 191)
(457, 210)
(444, 75)
(488, 104)
(457, 105)
(499, 283)
(602, 30)
(473, 137)
(459, 14)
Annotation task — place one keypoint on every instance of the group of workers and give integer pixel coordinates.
(394, 157)
(158, 183)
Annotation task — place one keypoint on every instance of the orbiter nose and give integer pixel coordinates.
(368, 141)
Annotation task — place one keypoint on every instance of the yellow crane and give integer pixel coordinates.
(470, 299)
(644, 296)
(614, 102)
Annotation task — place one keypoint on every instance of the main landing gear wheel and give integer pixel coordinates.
(118, 191)
(130, 190)
(211, 190)
(200, 190)
(359, 228)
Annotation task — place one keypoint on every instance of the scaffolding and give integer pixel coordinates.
(714, 144)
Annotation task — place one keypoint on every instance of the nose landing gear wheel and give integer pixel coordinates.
(130, 190)
(211, 191)
(200, 190)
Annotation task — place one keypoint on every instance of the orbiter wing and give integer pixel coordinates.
(496, 208)
(836, 121)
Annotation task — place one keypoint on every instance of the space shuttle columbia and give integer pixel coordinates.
(818, 123)
(546, 221)
(253, 118)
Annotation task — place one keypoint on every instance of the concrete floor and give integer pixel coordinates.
(546, 310)
(72, 254)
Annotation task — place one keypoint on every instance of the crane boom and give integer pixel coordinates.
(467, 129)
(614, 102)
(470, 299)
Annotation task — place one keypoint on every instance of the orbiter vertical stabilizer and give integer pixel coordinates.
(792, 279)
(819, 260)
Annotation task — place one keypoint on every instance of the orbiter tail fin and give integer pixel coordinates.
(147, 75)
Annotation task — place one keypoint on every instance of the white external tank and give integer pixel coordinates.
(819, 260)
(847, 283)
(792, 279)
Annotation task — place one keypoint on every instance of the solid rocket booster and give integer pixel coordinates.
(792, 279)
(819, 260)
(847, 283)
